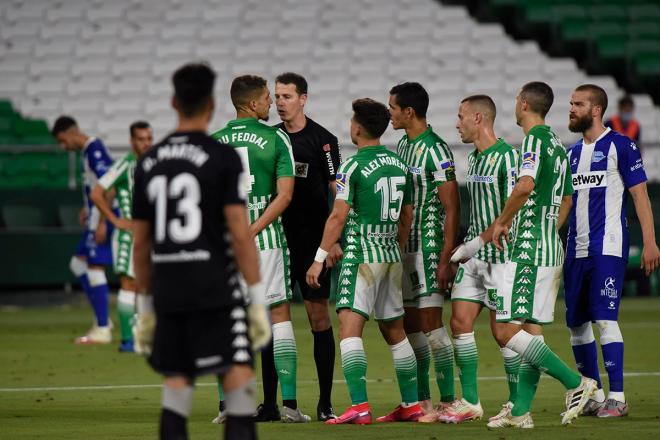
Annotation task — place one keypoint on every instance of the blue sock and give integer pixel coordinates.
(84, 283)
(613, 359)
(586, 358)
(99, 298)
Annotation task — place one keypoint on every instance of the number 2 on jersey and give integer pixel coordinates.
(185, 188)
(389, 187)
(558, 188)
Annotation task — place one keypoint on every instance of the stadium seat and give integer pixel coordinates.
(21, 217)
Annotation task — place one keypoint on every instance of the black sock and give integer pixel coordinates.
(324, 356)
(293, 403)
(269, 376)
(240, 428)
(172, 426)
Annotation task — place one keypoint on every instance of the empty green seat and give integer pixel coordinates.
(644, 12)
(68, 215)
(607, 12)
(25, 127)
(18, 217)
(644, 29)
(648, 65)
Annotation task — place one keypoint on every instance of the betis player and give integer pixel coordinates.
(426, 266)
(492, 169)
(540, 201)
(268, 181)
(119, 179)
(373, 207)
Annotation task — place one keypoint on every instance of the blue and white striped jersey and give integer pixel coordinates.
(95, 162)
(602, 173)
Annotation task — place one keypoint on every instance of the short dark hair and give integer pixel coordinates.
(484, 101)
(293, 78)
(598, 95)
(138, 125)
(372, 116)
(246, 88)
(193, 87)
(413, 95)
(625, 100)
(538, 96)
(63, 123)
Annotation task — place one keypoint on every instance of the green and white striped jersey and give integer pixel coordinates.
(266, 155)
(376, 184)
(430, 163)
(120, 177)
(536, 240)
(490, 179)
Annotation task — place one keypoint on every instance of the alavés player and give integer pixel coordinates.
(94, 250)
(491, 176)
(373, 207)
(269, 180)
(118, 181)
(606, 166)
(426, 266)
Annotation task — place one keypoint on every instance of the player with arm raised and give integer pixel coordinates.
(268, 163)
(316, 155)
(540, 201)
(373, 207)
(606, 166)
(94, 250)
(119, 181)
(492, 169)
(191, 241)
(427, 272)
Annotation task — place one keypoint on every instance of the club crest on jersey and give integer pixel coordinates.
(597, 156)
(341, 183)
(326, 148)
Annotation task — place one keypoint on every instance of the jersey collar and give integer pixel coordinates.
(488, 150)
(424, 133)
(602, 135)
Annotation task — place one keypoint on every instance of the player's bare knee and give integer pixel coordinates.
(127, 283)
(460, 325)
(280, 313)
(431, 318)
(392, 331)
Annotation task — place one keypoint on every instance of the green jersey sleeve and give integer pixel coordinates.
(441, 164)
(115, 175)
(346, 181)
(530, 161)
(568, 179)
(284, 155)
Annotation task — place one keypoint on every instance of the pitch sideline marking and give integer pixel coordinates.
(209, 384)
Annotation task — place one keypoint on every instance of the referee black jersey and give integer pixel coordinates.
(181, 187)
(317, 157)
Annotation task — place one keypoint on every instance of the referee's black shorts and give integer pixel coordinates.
(303, 244)
(201, 342)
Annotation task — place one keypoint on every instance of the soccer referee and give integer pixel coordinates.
(317, 157)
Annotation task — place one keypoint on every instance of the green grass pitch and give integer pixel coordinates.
(43, 375)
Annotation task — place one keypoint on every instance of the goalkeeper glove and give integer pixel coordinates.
(467, 250)
(145, 325)
(259, 324)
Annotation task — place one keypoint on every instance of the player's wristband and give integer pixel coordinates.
(257, 293)
(144, 303)
(320, 255)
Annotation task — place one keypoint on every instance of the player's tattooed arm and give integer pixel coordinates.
(449, 198)
(650, 252)
(405, 223)
(276, 207)
(333, 228)
(564, 210)
(521, 192)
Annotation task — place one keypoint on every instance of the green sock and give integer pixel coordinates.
(511, 367)
(126, 312)
(221, 394)
(443, 362)
(405, 366)
(528, 381)
(286, 358)
(467, 360)
(354, 364)
(541, 357)
(420, 346)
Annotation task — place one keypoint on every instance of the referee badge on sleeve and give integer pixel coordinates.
(301, 169)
